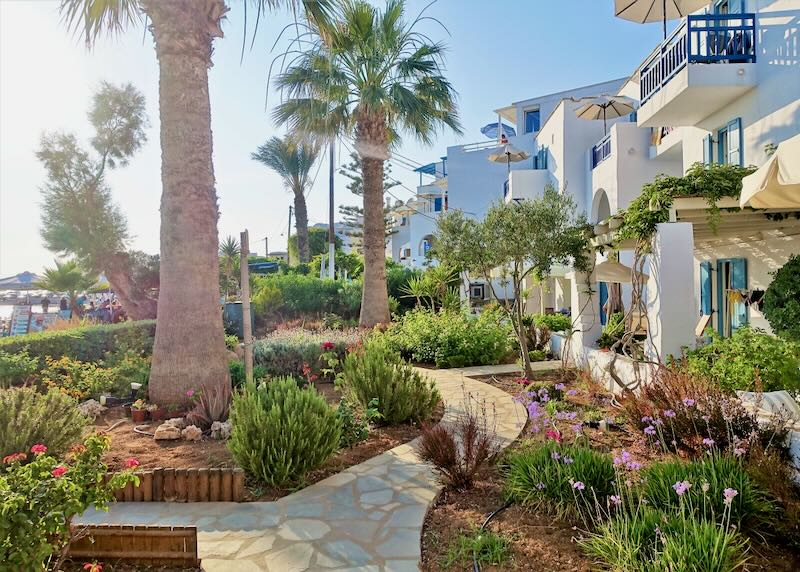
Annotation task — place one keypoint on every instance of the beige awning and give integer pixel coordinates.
(776, 184)
(612, 271)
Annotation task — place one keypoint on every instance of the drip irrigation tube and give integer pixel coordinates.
(475, 566)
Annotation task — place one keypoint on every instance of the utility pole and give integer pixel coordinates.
(244, 245)
(266, 247)
(289, 235)
(331, 233)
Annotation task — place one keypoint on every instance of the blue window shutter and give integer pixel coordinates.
(705, 288)
(708, 149)
(739, 282)
(735, 142)
(603, 298)
(437, 204)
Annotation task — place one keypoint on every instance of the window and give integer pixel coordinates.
(405, 253)
(726, 147)
(476, 291)
(731, 282)
(532, 121)
(403, 220)
(728, 6)
(437, 204)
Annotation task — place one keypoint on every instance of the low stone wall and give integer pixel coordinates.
(597, 361)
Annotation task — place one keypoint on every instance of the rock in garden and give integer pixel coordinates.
(192, 433)
(166, 432)
(178, 422)
(91, 408)
(220, 430)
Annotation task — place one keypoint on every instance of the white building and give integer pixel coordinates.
(342, 232)
(705, 95)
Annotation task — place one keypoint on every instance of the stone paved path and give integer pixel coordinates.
(368, 517)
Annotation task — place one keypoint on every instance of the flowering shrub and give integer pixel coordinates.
(450, 339)
(17, 368)
(287, 352)
(39, 499)
(355, 421)
(681, 412)
(571, 479)
(28, 417)
(75, 378)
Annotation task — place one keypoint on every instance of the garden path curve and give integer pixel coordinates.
(368, 517)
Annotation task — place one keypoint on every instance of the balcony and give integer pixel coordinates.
(524, 184)
(706, 63)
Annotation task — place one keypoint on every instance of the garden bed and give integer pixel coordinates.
(528, 539)
(209, 453)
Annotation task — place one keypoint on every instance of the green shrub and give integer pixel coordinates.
(485, 546)
(280, 432)
(355, 421)
(231, 342)
(28, 417)
(569, 479)
(537, 355)
(649, 540)
(40, 499)
(613, 331)
(553, 322)
(450, 339)
(17, 368)
(266, 300)
(735, 363)
(378, 373)
(298, 295)
(126, 368)
(78, 379)
(782, 300)
(238, 377)
(87, 344)
(286, 352)
(749, 509)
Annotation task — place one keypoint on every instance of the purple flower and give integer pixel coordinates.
(729, 494)
(615, 500)
(688, 402)
(560, 387)
(681, 487)
(572, 392)
(567, 460)
(578, 428)
(739, 451)
(633, 465)
(578, 485)
(708, 442)
(706, 418)
(623, 458)
(669, 413)
(649, 430)
(540, 486)
(555, 455)
(647, 419)
(658, 422)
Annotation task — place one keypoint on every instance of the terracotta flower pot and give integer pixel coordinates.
(159, 414)
(138, 415)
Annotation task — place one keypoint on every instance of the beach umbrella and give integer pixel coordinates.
(509, 154)
(605, 107)
(491, 130)
(613, 272)
(644, 11)
(22, 281)
(776, 184)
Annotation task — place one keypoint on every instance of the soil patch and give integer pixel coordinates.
(210, 453)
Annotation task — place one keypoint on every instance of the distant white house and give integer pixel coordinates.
(342, 232)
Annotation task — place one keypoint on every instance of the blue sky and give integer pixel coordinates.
(500, 51)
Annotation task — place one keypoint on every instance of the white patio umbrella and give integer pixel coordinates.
(606, 107)
(508, 155)
(613, 272)
(776, 184)
(644, 11)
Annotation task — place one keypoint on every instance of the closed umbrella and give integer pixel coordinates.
(644, 11)
(606, 107)
(508, 155)
(776, 184)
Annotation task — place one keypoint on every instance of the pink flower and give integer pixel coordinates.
(615, 500)
(190, 393)
(93, 567)
(327, 346)
(59, 471)
(708, 441)
(14, 457)
(132, 463)
(578, 485)
(38, 449)
(739, 451)
(681, 487)
(554, 435)
(729, 494)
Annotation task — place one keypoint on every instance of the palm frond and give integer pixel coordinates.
(90, 18)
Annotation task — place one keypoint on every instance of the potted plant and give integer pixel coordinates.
(158, 413)
(139, 411)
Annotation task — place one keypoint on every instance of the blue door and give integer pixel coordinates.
(603, 299)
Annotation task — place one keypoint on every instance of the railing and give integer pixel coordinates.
(601, 151)
(707, 38)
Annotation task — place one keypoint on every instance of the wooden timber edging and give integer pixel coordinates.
(161, 545)
(185, 485)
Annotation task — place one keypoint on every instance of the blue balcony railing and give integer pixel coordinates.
(706, 38)
(601, 151)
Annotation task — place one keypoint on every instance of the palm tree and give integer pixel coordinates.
(292, 160)
(229, 255)
(67, 277)
(189, 349)
(368, 74)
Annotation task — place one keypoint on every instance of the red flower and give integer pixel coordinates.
(554, 435)
(93, 567)
(59, 471)
(306, 369)
(312, 378)
(327, 346)
(14, 457)
(38, 449)
(132, 463)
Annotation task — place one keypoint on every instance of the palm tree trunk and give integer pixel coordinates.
(372, 146)
(301, 224)
(189, 350)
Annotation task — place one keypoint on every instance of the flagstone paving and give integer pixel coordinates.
(367, 518)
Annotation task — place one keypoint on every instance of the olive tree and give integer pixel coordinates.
(515, 241)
